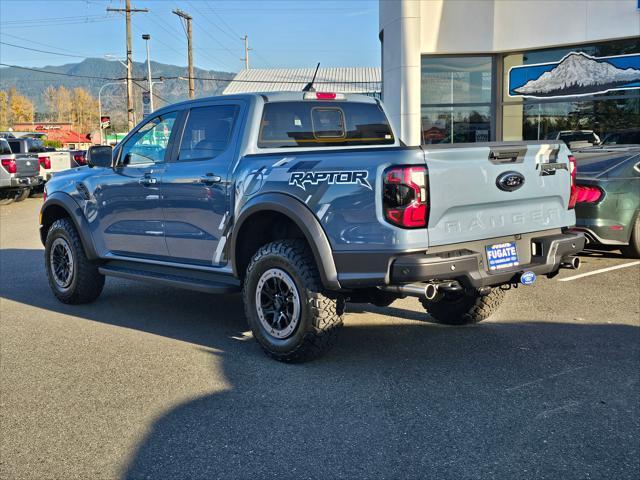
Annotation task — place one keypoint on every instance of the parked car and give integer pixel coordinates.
(51, 162)
(302, 201)
(19, 174)
(623, 137)
(575, 137)
(608, 197)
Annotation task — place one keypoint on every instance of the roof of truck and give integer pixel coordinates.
(273, 97)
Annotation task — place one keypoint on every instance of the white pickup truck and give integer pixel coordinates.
(51, 162)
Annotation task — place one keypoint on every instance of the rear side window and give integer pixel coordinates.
(323, 124)
(208, 132)
(35, 145)
(15, 145)
(4, 147)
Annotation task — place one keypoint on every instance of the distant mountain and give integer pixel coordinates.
(579, 73)
(32, 84)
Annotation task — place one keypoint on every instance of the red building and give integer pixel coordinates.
(61, 132)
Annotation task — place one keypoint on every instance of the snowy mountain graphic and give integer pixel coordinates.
(579, 74)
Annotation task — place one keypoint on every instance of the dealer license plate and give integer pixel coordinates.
(502, 255)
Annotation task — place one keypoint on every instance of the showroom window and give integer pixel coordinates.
(457, 96)
(553, 106)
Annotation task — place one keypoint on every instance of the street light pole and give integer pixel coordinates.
(100, 107)
(146, 37)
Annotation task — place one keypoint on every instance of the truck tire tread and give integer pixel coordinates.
(465, 309)
(326, 309)
(88, 282)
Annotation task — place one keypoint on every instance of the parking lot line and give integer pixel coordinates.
(600, 270)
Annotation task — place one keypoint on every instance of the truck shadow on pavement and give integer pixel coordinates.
(408, 400)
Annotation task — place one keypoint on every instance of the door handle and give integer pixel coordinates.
(210, 179)
(147, 181)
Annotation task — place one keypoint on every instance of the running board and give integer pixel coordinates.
(174, 277)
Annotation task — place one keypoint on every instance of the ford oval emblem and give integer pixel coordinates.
(509, 181)
(527, 278)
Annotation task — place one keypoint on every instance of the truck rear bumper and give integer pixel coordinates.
(22, 182)
(466, 263)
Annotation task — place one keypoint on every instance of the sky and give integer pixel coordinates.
(283, 33)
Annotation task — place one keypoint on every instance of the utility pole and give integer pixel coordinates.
(187, 19)
(128, 11)
(246, 51)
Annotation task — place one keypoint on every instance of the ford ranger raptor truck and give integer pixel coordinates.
(304, 201)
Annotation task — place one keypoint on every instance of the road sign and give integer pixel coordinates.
(105, 122)
(146, 103)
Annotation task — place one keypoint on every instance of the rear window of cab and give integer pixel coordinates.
(323, 124)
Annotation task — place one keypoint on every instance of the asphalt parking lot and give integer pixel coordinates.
(151, 382)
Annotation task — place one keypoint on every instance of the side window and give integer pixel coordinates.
(208, 132)
(4, 147)
(149, 143)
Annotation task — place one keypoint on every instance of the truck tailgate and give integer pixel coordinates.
(27, 165)
(472, 194)
(60, 160)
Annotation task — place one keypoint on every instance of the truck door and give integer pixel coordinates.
(128, 197)
(196, 187)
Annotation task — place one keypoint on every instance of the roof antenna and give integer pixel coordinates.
(309, 86)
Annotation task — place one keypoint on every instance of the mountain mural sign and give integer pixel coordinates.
(577, 74)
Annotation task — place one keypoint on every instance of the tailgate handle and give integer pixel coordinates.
(499, 156)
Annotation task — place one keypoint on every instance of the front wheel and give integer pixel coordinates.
(290, 315)
(72, 277)
(463, 308)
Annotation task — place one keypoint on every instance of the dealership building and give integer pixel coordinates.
(458, 71)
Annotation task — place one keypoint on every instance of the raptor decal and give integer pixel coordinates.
(341, 177)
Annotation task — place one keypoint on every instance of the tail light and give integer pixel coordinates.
(80, 158)
(405, 196)
(588, 194)
(9, 165)
(573, 171)
(45, 162)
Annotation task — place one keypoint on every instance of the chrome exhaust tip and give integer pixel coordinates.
(431, 291)
(572, 263)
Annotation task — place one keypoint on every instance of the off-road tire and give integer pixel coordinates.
(633, 249)
(23, 195)
(87, 283)
(464, 308)
(7, 200)
(321, 312)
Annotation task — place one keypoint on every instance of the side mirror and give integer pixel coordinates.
(99, 156)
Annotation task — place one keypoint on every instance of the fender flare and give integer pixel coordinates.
(306, 221)
(74, 212)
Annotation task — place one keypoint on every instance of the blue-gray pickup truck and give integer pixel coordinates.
(304, 202)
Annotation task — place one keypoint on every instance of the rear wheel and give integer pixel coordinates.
(72, 277)
(23, 195)
(291, 317)
(633, 249)
(463, 308)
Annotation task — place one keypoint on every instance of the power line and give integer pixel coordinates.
(42, 51)
(40, 43)
(60, 73)
(235, 38)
